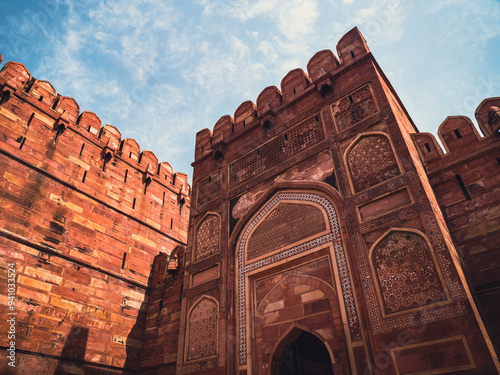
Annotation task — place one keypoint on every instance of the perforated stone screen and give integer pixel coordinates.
(203, 330)
(209, 188)
(354, 108)
(207, 237)
(371, 161)
(289, 143)
(406, 272)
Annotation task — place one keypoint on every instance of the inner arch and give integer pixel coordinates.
(305, 355)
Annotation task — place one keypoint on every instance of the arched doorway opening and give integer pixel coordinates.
(306, 355)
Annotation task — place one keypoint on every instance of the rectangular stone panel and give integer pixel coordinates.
(384, 205)
(209, 188)
(433, 357)
(205, 275)
(354, 108)
(285, 145)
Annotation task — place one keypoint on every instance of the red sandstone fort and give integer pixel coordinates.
(324, 234)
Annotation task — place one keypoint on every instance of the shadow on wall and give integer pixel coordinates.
(134, 343)
(153, 353)
(74, 351)
(73, 354)
(135, 337)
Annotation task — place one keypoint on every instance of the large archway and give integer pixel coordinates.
(288, 276)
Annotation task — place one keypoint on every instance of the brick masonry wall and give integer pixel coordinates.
(83, 216)
(161, 332)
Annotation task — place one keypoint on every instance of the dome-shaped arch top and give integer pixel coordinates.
(302, 352)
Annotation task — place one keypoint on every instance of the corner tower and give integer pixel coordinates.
(314, 226)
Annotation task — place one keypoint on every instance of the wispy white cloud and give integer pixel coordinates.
(285, 43)
(160, 71)
(297, 19)
(268, 51)
(438, 5)
(294, 18)
(226, 68)
(245, 10)
(71, 74)
(382, 21)
(465, 26)
(130, 31)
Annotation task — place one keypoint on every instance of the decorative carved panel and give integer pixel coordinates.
(281, 147)
(207, 237)
(354, 108)
(371, 161)
(203, 325)
(406, 272)
(286, 224)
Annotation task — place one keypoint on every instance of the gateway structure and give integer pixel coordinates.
(327, 233)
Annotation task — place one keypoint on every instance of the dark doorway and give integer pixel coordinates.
(307, 355)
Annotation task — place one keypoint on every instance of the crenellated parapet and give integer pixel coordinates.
(460, 137)
(464, 177)
(270, 110)
(16, 79)
(48, 131)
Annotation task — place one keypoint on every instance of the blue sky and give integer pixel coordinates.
(162, 70)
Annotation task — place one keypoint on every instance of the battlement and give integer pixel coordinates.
(460, 137)
(269, 112)
(84, 213)
(38, 105)
(46, 131)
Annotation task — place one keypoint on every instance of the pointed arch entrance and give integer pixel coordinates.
(301, 352)
(286, 278)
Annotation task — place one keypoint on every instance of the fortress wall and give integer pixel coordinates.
(465, 178)
(83, 216)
